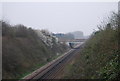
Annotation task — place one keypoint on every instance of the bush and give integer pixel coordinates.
(99, 57)
(23, 51)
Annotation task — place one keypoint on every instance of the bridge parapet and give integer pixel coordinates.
(72, 40)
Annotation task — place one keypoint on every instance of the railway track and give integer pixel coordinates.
(54, 68)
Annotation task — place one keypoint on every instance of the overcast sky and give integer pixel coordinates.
(58, 17)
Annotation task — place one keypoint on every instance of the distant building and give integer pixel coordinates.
(78, 34)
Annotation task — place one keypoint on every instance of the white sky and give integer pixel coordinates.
(58, 17)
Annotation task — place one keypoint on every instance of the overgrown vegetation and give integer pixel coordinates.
(98, 59)
(23, 51)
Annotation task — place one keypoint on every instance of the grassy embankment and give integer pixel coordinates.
(23, 51)
(98, 59)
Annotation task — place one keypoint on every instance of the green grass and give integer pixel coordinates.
(33, 69)
(38, 66)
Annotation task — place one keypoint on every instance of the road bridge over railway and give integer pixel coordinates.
(72, 40)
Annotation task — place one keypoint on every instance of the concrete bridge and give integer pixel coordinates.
(72, 40)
